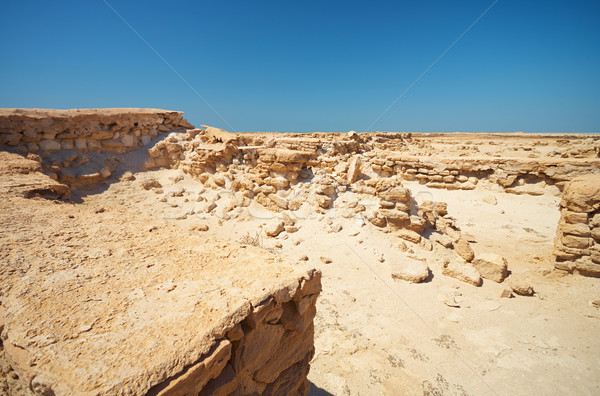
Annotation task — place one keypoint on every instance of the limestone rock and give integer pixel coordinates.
(354, 169)
(580, 229)
(574, 217)
(464, 250)
(462, 271)
(409, 235)
(288, 218)
(274, 228)
(491, 266)
(582, 194)
(520, 286)
(442, 239)
(410, 270)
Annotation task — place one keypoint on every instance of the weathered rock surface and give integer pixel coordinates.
(410, 270)
(577, 242)
(491, 266)
(136, 311)
(520, 285)
(461, 270)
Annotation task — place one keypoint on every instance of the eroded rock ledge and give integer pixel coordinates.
(94, 305)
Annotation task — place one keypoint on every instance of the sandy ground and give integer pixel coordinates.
(377, 335)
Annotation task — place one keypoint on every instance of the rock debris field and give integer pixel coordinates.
(142, 255)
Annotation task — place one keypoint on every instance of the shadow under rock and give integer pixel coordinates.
(316, 391)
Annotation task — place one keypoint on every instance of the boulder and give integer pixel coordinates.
(50, 145)
(462, 271)
(410, 270)
(491, 266)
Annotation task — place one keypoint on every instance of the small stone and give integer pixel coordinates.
(464, 250)
(274, 228)
(326, 260)
(442, 239)
(490, 199)
(491, 266)
(410, 270)
(520, 286)
(151, 183)
(178, 192)
(288, 218)
(462, 271)
(127, 176)
(291, 229)
(303, 258)
(409, 235)
(506, 293)
(336, 227)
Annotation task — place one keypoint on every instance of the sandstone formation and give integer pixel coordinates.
(577, 242)
(98, 306)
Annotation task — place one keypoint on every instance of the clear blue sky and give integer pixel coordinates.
(303, 66)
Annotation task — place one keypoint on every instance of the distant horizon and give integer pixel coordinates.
(197, 125)
(469, 66)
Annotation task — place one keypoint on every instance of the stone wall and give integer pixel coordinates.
(577, 242)
(113, 130)
(70, 142)
(408, 156)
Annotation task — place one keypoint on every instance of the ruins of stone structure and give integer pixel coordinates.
(72, 134)
(130, 308)
(97, 298)
(577, 243)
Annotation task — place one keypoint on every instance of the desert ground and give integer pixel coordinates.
(326, 202)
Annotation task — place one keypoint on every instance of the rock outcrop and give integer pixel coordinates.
(92, 304)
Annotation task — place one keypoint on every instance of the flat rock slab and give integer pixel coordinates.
(91, 304)
(410, 270)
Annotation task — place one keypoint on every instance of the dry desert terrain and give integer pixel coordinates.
(142, 255)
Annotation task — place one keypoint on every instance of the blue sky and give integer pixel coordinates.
(306, 66)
